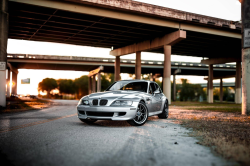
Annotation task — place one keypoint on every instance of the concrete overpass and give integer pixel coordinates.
(125, 26)
(76, 63)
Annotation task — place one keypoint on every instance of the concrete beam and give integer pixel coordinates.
(168, 39)
(220, 60)
(159, 16)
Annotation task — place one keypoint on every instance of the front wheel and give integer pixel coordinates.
(89, 121)
(141, 115)
(164, 114)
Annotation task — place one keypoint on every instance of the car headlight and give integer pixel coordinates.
(121, 103)
(85, 102)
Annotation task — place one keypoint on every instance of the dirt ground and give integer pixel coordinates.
(227, 132)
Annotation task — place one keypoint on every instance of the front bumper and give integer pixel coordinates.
(130, 112)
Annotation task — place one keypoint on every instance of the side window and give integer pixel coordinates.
(150, 90)
(152, 86)
(157, 87)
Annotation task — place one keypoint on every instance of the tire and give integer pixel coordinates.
(88, 121)
(141, 115)
(164, 114)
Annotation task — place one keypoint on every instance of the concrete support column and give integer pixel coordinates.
(211, 88)
(246, 81)
(117, 68)
(207, 88)
(174, 88)
(90, 85)
(238, 83)
(3, 49)
(221, 89)
(93, 84)
(99, 82)
(8, 83)
(245, 57)
(138, 65)
(14, 83)
(167, 73)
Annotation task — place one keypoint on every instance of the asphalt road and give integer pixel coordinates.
(55, 136)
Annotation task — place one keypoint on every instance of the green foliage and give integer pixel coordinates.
(81, 86)
(66, 86)
(107, 80)
(47, 85)
(190, 91)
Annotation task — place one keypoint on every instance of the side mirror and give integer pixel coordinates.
(157, 91)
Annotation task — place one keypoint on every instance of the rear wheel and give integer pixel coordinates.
(164, 114)
(141, 115)
(89, 121)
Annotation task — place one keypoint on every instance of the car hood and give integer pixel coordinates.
(111, 95)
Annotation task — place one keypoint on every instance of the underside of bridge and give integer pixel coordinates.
(30, 22)
(119, 24)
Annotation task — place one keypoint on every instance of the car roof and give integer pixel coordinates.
(136, 80)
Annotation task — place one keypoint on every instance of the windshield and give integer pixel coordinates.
(129, 86)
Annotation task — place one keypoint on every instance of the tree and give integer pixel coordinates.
(81, 86)
(190, 91)
(47, 85)
(66, 86)
(107, 80)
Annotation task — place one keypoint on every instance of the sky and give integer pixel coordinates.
(225, 9)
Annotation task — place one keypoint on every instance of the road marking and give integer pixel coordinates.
(35, 123)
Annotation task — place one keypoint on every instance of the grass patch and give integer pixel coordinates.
(218, 107)
(19, 105)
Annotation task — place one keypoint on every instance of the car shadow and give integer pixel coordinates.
(111, 123)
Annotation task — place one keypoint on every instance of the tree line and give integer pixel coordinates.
(78, 86)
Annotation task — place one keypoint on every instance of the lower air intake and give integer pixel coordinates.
(106, 114)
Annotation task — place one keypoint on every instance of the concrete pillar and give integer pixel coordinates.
(3, 49)
(245, 57)
(138, 65)
(174, 87)
(93, 84)
(167, 73)
(117, 68)
(207, 88)
(99, 82)
(14, 83)
(90, 85)
(245, 82)
(211, 88)
(8, 84)
(238, 83)
(221, 89)
(150, 77)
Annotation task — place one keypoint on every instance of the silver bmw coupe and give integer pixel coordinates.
(130, 100)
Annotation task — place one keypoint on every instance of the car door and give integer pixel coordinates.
(158, 97)
(153, 99)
